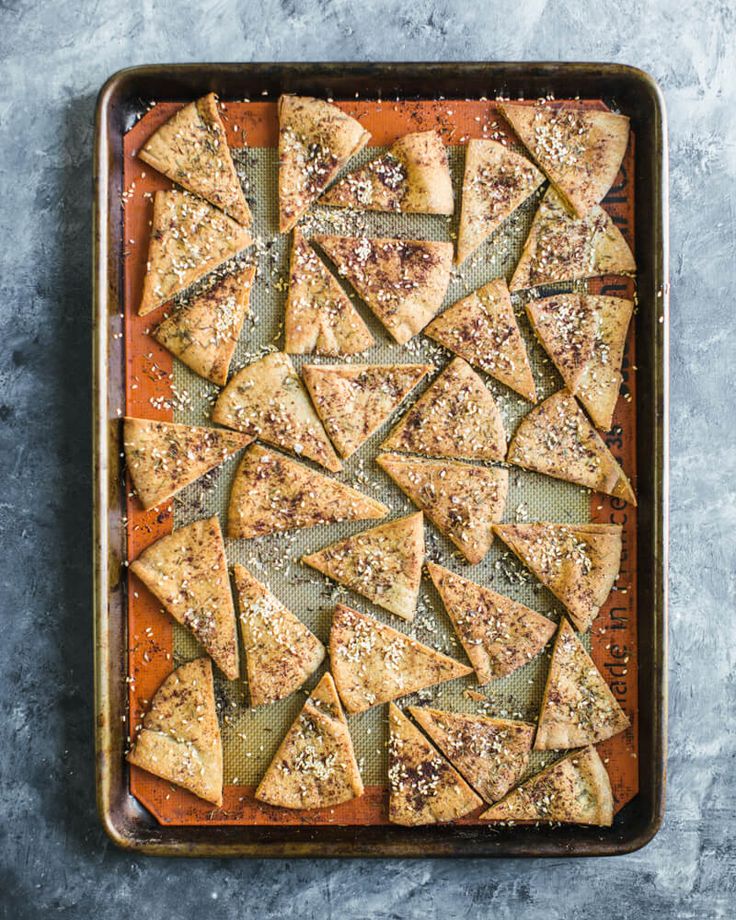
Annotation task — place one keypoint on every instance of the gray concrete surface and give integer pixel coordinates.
(54, 858)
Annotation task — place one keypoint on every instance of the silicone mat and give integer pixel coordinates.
(160, 387)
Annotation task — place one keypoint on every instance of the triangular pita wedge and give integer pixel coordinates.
(180, 740)
(272, 493)
(578, 707)
(187, 571)
(383, 564)
(496, 182)
(316, 139)
(203, 333)
(490, 753)
(455, 417)
(403, 281)
(354, 400)
(189, 238)
(578, 563)
(191, 149)
(163, 457)
(281, 653)
(315, 765)
(557, 439)
(423, 787)
(266, 399)
(564, 248)
(319, 316)
(584, 334)
(499, 635)
(462, 501)
(574, 790)
(580, 151)
(412, 176)
(374, 663)
(482, 329)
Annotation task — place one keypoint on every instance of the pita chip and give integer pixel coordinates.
(383, 564)
(482, 329)
(180, 739)
(281, 653)
(574, 790)
(187, 572)
(267, 400)
(403, 281)
(373, 663)
(315, 765)
(354, 400)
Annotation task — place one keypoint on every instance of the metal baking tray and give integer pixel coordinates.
(121, 101)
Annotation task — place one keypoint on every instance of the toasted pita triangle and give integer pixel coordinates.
(383, 564)
(354, 400)
(316, 139)
(578, 563)
(403, 281)
(462, 501)
(580, 151)
(423, 787)
(482, 329)
(490, 753)
(163, 457)
(272, 493)
(320, 318)
(187, 571)
(499, 635)
(191, 149)
(315, 765)
(564, 248)
(203, 334)
(280, 652)
(412, 176)
(496, 182)
(557, 439)
(573, 790)
(180, 740)
(266, 399)
(584, 334)
(455, 417)
(189, 238)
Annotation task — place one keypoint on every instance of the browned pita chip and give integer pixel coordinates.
(557, 439)
(574, 790)
(455, 417)
(316, 139)
(189, 238)
(191, 148)
(482, 329)
(315, 765)
(490, 753)
(462, 501)
(403, 281)
(354, 400)
(584, 334)
(163, 457)
(187, 571)
(578, 563)
(499, 635)
(413, 176)
(280, 652)
(266, 399)
(180, 740)
(272, 493)
(374, 663)
(383, 564)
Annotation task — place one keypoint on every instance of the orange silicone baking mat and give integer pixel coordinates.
(159, 387)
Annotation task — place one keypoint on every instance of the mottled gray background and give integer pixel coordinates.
(54, 858)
